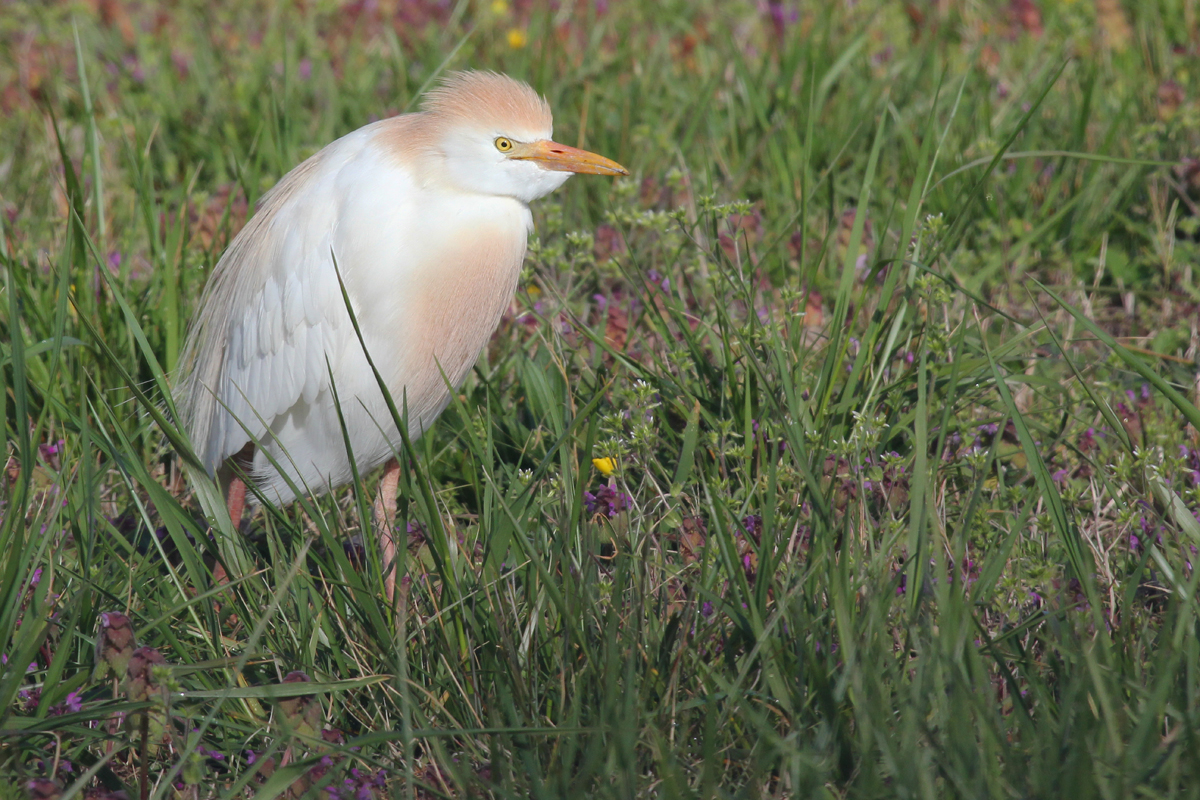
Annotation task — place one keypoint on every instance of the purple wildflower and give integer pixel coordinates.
(605, 502)
(753, 525)
(71, 705)
(782, 15)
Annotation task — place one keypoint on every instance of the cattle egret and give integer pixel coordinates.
(426, 216)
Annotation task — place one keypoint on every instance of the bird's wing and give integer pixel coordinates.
(270, 312)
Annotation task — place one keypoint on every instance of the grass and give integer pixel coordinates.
(849, 449)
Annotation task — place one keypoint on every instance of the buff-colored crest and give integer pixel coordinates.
(489, 100)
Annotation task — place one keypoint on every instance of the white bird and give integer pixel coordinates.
(427, 217)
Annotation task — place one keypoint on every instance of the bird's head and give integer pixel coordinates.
(494, 134)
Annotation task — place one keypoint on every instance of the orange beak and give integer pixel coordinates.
(564, 158)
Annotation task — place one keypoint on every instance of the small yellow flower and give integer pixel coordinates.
(517, 38)
(533, 290)
(499, 7)
(605, 465)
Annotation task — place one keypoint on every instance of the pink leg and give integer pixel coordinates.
(385, 519)
(235, 502)
(235, 495)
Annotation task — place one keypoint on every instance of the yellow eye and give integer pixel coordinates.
(504, 145)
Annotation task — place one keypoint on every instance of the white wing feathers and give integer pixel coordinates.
(271, 310)
(276, 352)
